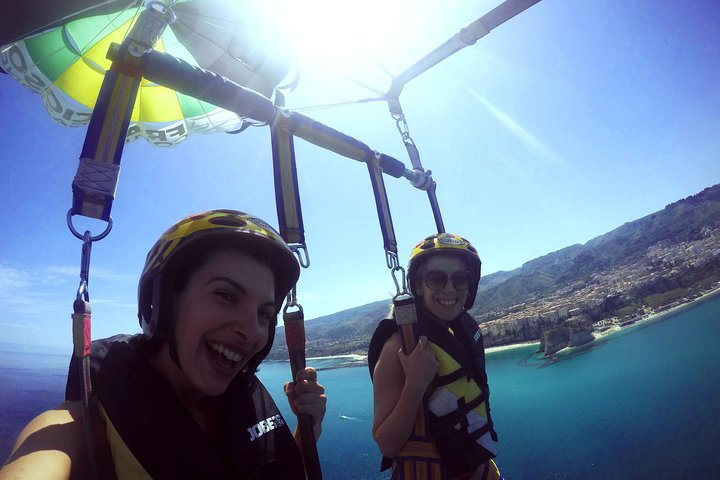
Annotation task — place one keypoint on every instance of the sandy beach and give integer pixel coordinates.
(354, 359)
(349, 356)
(511, 346)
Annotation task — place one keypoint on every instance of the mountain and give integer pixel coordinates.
(677, 223)
(640, 265)
(348, 331)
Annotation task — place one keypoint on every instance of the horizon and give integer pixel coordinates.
(65, 349)
(562, 124)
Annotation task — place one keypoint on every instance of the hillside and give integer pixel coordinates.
(637, 268)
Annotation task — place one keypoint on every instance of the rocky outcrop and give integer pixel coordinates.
(554, 339)
(580, 329)
(573, 332)
(577, 318)
(522, 329)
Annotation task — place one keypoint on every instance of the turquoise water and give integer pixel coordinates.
(642, 404)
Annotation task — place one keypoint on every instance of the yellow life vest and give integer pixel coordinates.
(455, 421)
(462, 399)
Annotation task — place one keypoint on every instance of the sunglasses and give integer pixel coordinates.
(436, 280)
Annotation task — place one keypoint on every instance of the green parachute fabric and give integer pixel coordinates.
(63, 58)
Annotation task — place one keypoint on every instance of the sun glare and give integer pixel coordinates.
(341, 36)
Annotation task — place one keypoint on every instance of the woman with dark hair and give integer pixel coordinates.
(181, 400)
(443, 377)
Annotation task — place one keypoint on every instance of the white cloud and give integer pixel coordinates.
(46, 290)
(19, 292)
(95, 272)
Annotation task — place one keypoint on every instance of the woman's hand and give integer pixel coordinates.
(399, 382)
(306, 395)
(420, 366)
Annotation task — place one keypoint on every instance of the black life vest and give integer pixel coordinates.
(462, 360)
(160, 434)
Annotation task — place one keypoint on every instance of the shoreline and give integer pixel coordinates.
(511, 346)
(357, 359)
(651, 318)
(350, 356)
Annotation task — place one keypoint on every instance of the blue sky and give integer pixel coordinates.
(564, 123)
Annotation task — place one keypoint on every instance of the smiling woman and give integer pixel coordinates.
(432, 413)
(208, 299)
(223, 319)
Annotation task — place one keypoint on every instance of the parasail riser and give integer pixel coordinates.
(180, 76)
(383, 208)
(97, 176)
(465, 37)
(287, 194)
(437, 215)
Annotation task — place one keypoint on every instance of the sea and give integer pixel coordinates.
(642, 403)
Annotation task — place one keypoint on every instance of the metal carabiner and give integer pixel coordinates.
(400, 291)
(291, 301)
(301, 252)
(83, 293)
(391, 260)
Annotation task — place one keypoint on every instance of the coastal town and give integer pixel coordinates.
(572, 296)
(667, 275)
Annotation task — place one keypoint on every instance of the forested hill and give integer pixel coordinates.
(675, 232)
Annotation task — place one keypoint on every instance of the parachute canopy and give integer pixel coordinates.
(66, 60)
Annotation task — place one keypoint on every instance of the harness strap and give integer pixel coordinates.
(419, 458)
(459, 416)
(96, 179)
(443, 380)
(437, 215)
(481, 431)
(81, 323)
(287, 196)
(295, 340)
(381, 202)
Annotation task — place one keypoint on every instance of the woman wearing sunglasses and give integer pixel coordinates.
(432, 414)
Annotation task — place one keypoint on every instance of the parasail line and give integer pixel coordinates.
(313, 108)
(463, 38)
(178, 75)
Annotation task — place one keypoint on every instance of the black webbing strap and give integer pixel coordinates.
(381, 203)
(97, 175)
(432, 197)
(96, 179)
(458, 415)
(443, 380)
(81, 326)
(287, 195)
(295, 340)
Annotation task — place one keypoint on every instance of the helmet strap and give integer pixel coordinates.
(173, 349)
(161, 325)
(152, 317)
